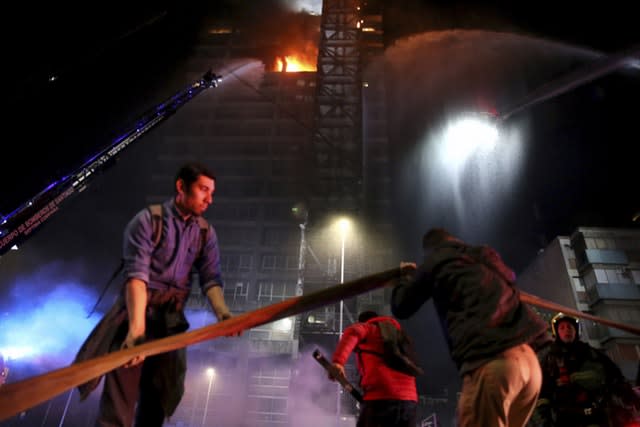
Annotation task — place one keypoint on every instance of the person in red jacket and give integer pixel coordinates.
(389, 396)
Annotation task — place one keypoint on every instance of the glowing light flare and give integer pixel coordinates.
(14, 353)
(473, 181)
(221, 30)
(211, 372)
(465, 137)
(344, 224)
(294, 63)
(283, 325)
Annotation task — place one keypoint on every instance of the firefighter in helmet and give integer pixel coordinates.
(581, 386)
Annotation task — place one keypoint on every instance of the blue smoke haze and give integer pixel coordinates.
(44, 319)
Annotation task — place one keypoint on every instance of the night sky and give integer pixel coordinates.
(110, 62)
(108, 65)
(576, 151)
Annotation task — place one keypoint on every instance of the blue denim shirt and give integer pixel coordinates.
(170, 263)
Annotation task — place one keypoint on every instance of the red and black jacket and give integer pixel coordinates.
(378, 381)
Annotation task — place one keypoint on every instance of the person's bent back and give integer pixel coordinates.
(488, 329)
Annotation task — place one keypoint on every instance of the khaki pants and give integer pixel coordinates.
(502, 392)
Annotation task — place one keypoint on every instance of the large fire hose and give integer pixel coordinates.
(548, 305)
(19, 396)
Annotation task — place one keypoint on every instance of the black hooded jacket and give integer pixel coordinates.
(477, 302)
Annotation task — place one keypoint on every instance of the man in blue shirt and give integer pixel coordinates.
(157, 286)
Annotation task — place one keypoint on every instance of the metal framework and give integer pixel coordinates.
(337, 144)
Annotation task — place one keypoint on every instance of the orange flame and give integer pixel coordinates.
(293, 63)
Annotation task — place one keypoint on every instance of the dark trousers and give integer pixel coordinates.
(387, 413)
(146, 390)
(123, 388)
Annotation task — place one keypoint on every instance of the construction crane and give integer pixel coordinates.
(19, 225)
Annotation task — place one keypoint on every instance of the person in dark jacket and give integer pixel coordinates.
(390, 396)
(151, 306)
(581, 386)
(490, 332)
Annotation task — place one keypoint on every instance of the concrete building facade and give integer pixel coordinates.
(595, 270)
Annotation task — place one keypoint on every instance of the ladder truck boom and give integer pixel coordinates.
(19, 225)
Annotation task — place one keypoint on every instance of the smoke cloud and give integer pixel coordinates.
(437, 77)
(45, 319)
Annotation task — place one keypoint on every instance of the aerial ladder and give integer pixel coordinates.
(23, 222)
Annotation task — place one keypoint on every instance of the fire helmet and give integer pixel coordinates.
(561, 317)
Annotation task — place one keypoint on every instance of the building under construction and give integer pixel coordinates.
(294, 154)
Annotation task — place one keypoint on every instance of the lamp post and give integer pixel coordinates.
(301, 213)
(343, 225)
(66, 408)
(211, 373)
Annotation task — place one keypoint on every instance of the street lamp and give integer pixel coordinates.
(344, 225)
(66, 408)
(301, 213)
(211, 373)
